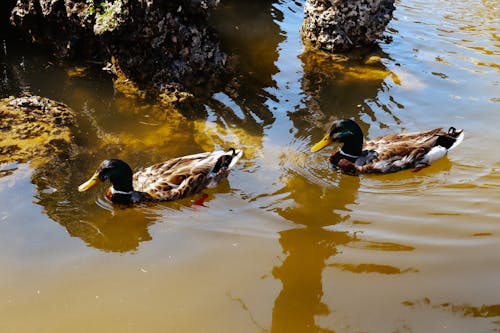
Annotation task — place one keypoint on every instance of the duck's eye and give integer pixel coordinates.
(103, 176)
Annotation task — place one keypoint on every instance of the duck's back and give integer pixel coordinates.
(402, 151)
(182, 176)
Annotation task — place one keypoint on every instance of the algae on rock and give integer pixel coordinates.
(34, 128)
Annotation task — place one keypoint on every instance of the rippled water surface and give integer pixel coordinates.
(286, 244)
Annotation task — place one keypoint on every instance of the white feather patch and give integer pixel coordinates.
(436, 153)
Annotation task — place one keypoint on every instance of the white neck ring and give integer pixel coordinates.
(348, 155)
(113, 191)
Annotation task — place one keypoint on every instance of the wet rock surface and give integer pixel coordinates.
(166, 46)
(341, 25)
(33, 128)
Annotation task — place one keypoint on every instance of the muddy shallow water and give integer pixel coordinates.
(285, 245)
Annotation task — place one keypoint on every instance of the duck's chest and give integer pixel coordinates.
(126, 198)
(366, 157)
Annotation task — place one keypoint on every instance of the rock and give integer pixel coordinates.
(60, 26)
(157, 44)
(33, 128)
(340, 25)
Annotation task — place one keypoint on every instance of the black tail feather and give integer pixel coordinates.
(447, 140)
(223, 162)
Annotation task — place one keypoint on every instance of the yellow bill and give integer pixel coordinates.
(93, 181)
(322, 144)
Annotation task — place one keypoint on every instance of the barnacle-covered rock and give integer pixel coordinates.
(340, 25)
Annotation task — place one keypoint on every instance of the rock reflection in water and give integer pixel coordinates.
(340, 86)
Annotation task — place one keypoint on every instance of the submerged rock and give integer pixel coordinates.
(163, 45)
(33, 128)
(340, 25)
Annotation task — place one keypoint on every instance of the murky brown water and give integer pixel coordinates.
(285, 245)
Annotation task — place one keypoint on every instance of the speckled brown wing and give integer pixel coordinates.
(181, 176)
(400, 151)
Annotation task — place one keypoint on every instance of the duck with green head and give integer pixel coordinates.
(166, 181)
(388, 153)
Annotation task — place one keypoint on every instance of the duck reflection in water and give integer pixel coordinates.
(307, 250)
(335, 86)
(108, 229)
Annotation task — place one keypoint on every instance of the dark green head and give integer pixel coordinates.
(117, 172)
(344, 131)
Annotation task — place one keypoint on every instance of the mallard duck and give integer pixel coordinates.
(388, 153)
(166, 181)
